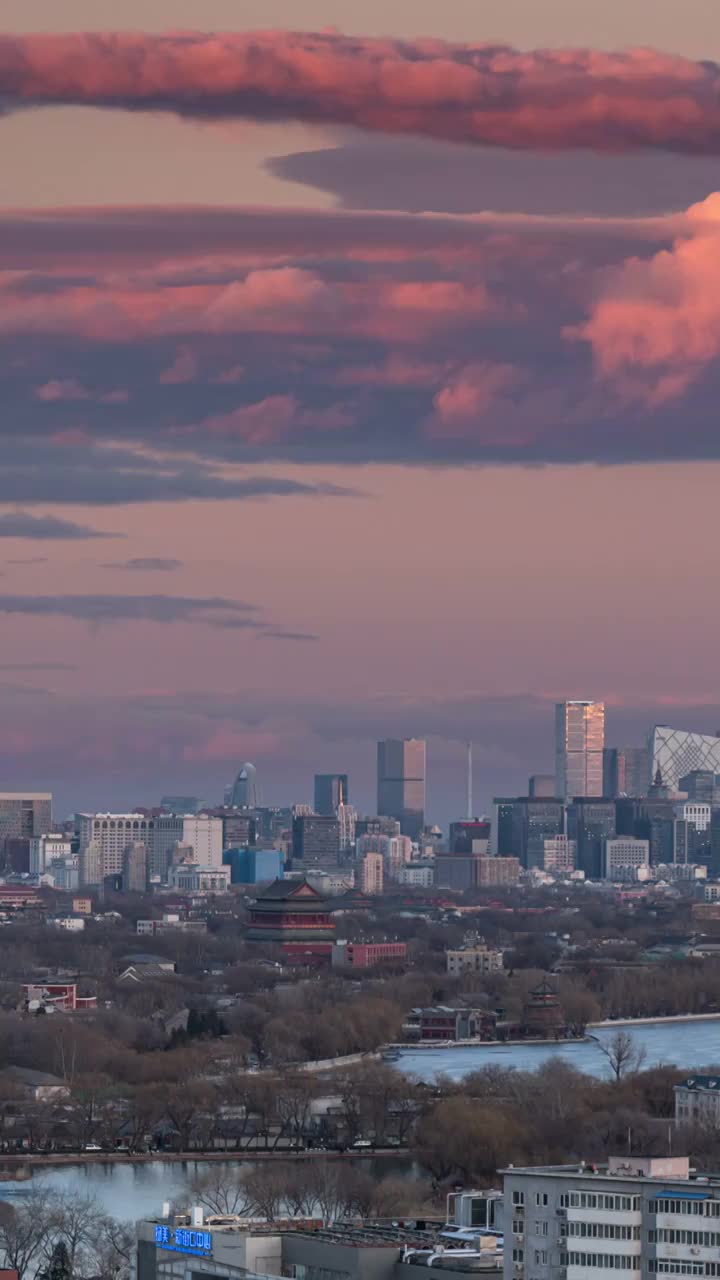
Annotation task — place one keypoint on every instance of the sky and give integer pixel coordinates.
(359, 374)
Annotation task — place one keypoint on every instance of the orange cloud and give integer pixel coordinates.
(656, 325)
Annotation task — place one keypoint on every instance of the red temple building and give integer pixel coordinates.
(293, 914)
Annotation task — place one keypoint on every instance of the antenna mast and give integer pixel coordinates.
(469, 782)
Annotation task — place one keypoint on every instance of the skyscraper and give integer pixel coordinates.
(244, 791)
(315, 840)
(579, 742)
(676, 752)
(625, 771)
(135, 868)
(401, 783)
(331, 790)
(590, 823)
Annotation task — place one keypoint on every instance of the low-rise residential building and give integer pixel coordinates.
(170, 924)
(71, 924)
(697, 1101)
(55, 993)
(365, 955)
(477, 959)
(416, 875)
(39, 1086)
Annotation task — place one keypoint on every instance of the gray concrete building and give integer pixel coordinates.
(637, 1216)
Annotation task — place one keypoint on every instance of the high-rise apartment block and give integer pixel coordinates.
(401, 783)
(135, 868)
(579, 743)
(331, 790)
(372, 870)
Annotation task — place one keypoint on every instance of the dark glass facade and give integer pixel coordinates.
(331, 790)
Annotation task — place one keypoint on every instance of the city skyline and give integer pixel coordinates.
(458, 364)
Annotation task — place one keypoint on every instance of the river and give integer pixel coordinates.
(131, 1191)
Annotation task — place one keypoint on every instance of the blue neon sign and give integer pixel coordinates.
(183, 1240)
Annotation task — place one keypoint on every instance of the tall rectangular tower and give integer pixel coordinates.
(331, 790)
(401, 783)
(579, 743)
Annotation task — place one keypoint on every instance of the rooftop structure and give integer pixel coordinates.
(185, 1246)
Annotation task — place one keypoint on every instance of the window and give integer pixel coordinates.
(518, 1197)
(518, 1255)
(541, 1197)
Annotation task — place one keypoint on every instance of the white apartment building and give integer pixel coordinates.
(43, 849)
(474, 960)
(697, 1101)
(624, 855)
(633, 1218)
(113, 832)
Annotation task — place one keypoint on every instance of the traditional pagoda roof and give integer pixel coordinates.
(290, 891)
(544, 991)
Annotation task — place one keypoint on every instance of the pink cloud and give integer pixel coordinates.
(469, 395)
(481, 93)
(231, 376)
(182, 369)
(276, 418)
(656, 324)
(70, 389)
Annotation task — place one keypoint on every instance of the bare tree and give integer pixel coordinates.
(623, 1053)
(25, 1230)
(220, 1191)
(266, 1187)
